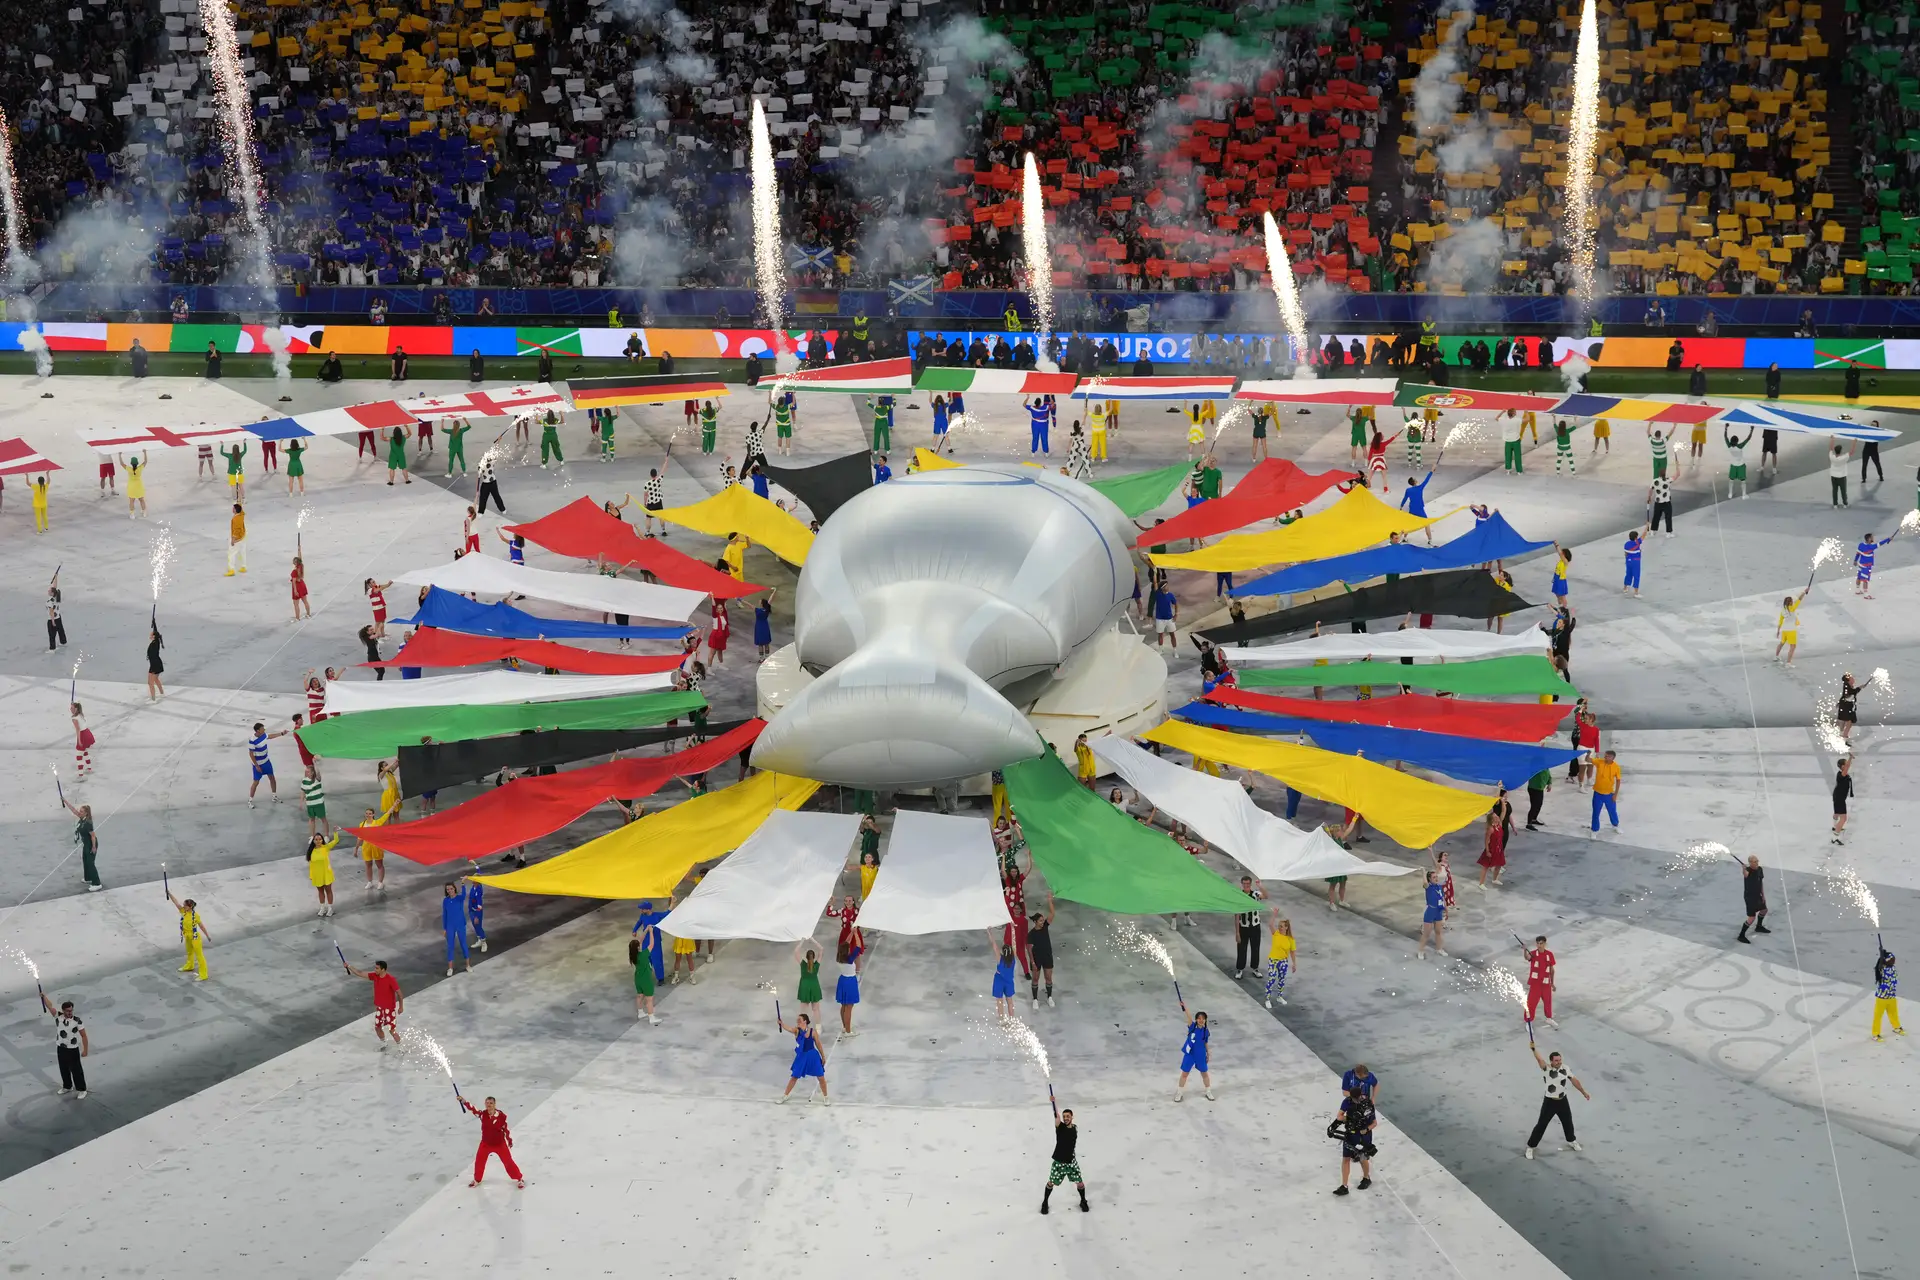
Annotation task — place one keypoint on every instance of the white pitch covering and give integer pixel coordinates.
(1225, 816)
(772, 887)
(1410, 643)
(939, 874)
(482, 689)
(485, 576)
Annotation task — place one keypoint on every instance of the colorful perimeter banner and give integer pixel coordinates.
(1092, 853)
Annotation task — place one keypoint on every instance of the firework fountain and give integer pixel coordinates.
(768, 270)
(1583, 127)
(1033, 240)
(160, 553)
(234, 110)
(1280, 268)
(20, 272)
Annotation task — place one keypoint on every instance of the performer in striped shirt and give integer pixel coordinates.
(1863, 563)
(262, 761)
(314, 793)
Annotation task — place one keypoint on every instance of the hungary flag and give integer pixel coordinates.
(871, 377)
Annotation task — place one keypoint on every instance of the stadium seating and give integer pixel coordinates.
(1713, 151)
(1883, 78)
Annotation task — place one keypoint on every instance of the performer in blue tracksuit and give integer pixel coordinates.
(1193, 1057)
(1413, 501)
(1632, 547)
(476, 909)
(1039, 419)
(1002, 973)
(1863, 564)
(453, 919)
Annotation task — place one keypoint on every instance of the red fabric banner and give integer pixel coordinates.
(583, 530)
(528, 808)
(1493, 721)
(432, 647)
(1273, 486)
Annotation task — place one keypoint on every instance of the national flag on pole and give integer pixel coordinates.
(17, 456)
(871, 377)
(1157, 388)
(1014, 382)
(609, 393)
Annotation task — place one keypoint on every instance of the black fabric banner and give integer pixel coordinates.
(826, 486)
(448, 764)
(1455, 593)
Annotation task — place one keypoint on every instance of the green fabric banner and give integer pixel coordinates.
(1092, 853)
(1141, 491)
(1527, 674)
(369, 735)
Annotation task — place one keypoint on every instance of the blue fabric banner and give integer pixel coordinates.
(1506, 764)
(452, 612)
(1491, 539)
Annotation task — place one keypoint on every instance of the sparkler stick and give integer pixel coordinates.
(165, 887)
(343, 957)
(1177, 996)
(1053, 1102)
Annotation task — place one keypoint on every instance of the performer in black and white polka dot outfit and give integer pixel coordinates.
(1558, 1077)
(70, 1045)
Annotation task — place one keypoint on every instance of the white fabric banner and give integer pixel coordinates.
(939, 873)
(775, 885)
(483, 689)
(1410, 643)
(485, 576)
(1225, 816)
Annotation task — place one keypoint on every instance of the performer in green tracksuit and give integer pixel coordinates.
(397, 454)
(783, 424)
(709, 426)
(456, 434)
(1562, 446)
(882, 423)
(550, 438)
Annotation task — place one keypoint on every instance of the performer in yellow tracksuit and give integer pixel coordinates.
(1097, 430)
(1086, 768)
(1000, 805)
(193, 936)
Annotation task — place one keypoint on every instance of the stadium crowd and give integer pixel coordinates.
(576, 142)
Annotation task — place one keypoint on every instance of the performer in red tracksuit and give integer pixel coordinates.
(1540, 979)
(495, 1140)
(1013, 887)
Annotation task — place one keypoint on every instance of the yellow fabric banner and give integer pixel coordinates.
(738, 509)
(1411, 810)
(1354, 523)
(928, 460)
(646, 859)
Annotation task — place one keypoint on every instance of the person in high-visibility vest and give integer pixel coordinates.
(1593, 327)
(1429, 339)
(860, 333)
(613, 317)
(1013, 319)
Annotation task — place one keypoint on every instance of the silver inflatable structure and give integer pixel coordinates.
(935, 607)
